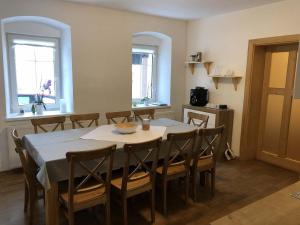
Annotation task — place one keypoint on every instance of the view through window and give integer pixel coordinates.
(35, 69)
(143, 72)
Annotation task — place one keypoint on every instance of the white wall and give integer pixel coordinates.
(101, 48)
(30, 28)
(144, 39)
(224, 40)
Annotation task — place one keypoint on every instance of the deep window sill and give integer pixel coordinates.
(142, 106)
(30, 115)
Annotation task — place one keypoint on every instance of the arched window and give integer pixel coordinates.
(37, 64)
(151, 69)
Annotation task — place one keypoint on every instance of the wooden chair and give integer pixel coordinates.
(140, 178)
(32, 187)
(78, 119)
(204, 159)
(58, 121)
(148, 113)
(177, 161)
(125, 116)
(192, 117)
(90, 190)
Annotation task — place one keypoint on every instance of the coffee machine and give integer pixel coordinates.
(199, 96)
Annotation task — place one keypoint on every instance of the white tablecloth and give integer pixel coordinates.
(109, 133)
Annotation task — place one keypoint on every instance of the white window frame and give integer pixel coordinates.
(154, 70)
(14, 107)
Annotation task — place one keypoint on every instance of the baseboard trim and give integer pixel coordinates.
(11, 171)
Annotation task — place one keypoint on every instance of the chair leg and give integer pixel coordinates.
(187, 186)
(70, 217)
(164, 196)
(202, 179)
(32, 201)
(194, 183)
(25, 197)
(107, 211)
(125, 215)
(152, 198)
(44, 197)
(213, 177)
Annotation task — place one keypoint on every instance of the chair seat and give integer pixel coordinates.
(131, 185)
(85, 198)
(172, 170)
(205, 163)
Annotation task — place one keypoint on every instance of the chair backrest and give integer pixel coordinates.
(193, 118)
(180, 149)
(146, 156)
(90, 118)
(209, 142)
(58, 121)
(148, 113)
(95, 164)
(118, 117)
(19, 148)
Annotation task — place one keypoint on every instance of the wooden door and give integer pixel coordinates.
(279, 138)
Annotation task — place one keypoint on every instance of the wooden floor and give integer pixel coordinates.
(238, 183)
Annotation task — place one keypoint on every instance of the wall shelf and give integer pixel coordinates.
(234, 79)
(192, 65)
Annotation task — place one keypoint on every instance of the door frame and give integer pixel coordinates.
(253, 95)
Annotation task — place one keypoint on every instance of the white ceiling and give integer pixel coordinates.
(179, 9)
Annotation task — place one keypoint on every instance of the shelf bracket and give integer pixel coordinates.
(192, 67)
(207, 66)
(235, 81)
(216, 81)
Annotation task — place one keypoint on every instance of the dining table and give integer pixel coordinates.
(48, 151)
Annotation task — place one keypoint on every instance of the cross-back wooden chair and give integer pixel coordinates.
(147, 113)
(193, 119)
(32, 186)
(40, 123)
(177, 161)
(94, 188)
(91, 118)
(204, 159)
(141, 177)
(118, 117)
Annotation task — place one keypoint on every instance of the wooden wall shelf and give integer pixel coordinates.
(235, 80)
(192, 65)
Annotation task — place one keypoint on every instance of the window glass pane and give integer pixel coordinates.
(45, 54)
(142, 73)
(273, 123)
(278, 70)
(24, 52)
(35, 72)
(293, 150)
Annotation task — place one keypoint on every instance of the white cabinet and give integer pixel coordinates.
(217, 117)
(211, 120)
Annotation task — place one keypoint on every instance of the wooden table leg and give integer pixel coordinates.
(52, 205)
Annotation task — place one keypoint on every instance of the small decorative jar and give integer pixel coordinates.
(146, 124)
(39, 109)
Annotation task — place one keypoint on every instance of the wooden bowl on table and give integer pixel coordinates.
(126, 128)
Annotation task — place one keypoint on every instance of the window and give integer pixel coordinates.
(34, 68)
(37, 60)
(144, 64)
